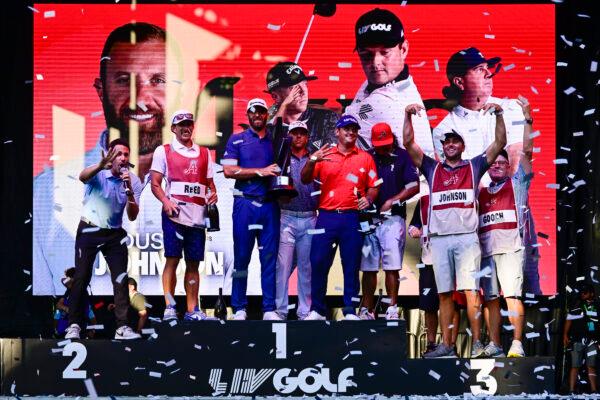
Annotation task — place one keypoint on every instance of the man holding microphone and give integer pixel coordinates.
(109, 190)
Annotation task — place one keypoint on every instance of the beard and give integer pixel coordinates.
(257, 125)
(150, 136)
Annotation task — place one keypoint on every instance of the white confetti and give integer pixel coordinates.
(434, 375)
(252, 227)
(568, 42)
(274, 27)
(315, 193)
(552, 186)
(344, 64)
(589, 112)
(229, 161)
(89, 385)
(436, 65)
(569, 90)
(488, 36)
(154, 374)
(534, 90)
(594, 66)
(531, 335)
(98, 327)
(352, 178)
(120, 277)
(49, 14)
(534, 134)
(508, 67)
(560, 161)
(316, 231)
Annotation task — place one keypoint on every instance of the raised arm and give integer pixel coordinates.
(105, 163)
(500, 134)
(526, 155)
(408, 134)
(306, 175)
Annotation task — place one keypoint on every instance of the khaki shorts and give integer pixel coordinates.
(506, 275)
(385, 246)
(456, 261)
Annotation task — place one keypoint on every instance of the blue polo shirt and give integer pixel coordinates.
(397, 171)
(306, 200)
(104, 199)
(250, 151)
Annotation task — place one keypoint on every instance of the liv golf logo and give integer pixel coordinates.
(308, 381)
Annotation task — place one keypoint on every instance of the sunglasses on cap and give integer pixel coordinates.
(180, 117)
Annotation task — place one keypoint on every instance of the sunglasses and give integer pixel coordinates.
(501, 163)
(181, 117)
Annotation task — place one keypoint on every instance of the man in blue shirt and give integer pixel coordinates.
(297, 217)
(249, 160)
(109, 191)
(385, 246)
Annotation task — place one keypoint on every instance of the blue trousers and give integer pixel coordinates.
(246, 214)
(342, 230)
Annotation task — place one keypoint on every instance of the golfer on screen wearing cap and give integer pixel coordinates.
(453, 221)
(188, 171)
(470, 75)
(389, 88)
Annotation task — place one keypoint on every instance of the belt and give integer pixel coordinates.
(260, 199)
(299, 214)
(339, 211)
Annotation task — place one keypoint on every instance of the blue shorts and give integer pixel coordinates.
(179, 238)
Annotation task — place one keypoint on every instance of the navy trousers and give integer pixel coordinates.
(341, 229)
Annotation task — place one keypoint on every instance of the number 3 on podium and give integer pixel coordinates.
(280, 331)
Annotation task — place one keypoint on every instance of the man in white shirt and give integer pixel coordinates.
(470, 75)
(188, 171)
(389, 88)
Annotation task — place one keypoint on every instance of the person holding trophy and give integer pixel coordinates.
(298, 217)
(249, 159)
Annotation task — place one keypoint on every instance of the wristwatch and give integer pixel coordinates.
(529, 120)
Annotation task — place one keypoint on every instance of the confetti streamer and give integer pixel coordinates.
(434, 375)
(252, 227)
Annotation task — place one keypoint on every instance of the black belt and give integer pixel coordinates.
(339, 211)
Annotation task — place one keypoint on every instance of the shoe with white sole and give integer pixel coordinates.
(351, 317)
(477, 349)
(314, 316)
(126, 333)
(493, 350)
(170, 313)
(198, 315)
(72, 332)
(392, 313)
(272, 316)
(441, 351)
(516, 349)
(365, 314)
(239, 315)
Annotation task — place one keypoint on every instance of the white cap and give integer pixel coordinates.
(181, 115)
(298, 124)
(257, 102)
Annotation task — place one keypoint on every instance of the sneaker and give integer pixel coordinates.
(441, 351)
(272, 316)
(430, 347)
(126, 333)
(352, 317)
(314, 316)
(198, 315)
(365, 315)
(239, 315)
(392, 313)
(516, 349)
(492, 350)
(477, 349)
(170, 313)
(72, 332)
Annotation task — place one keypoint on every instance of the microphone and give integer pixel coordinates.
(127, 190)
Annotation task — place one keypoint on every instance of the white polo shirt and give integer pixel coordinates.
(387, 104)
(478, 128)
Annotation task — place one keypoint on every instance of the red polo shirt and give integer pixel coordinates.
(341, 174)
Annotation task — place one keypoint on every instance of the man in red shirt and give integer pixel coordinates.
(348, 178)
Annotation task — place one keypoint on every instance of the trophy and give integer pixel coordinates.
(282, 186)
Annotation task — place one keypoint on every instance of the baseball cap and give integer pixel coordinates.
(450, 134)
(463, 60)
(298, 125)
(346, 120)
(381, 134)
(286, 74)
(181, 115)
(378, 27)
(257, 102)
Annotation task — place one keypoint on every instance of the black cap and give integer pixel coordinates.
(465, 59)
(378, 28)
(286, 74)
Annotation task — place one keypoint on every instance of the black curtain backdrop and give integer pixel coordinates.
(578, 211)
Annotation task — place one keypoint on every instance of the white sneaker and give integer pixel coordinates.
(493, 350)
(126, 333)
(170, 313)
(240, 315)
(314, 316)
(351, 317)
(365, 315)
(72, 332)
(198, 315)
(392, 313)
(516, 349)
(272, 316)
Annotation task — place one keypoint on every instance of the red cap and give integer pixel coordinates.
(381, 134)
